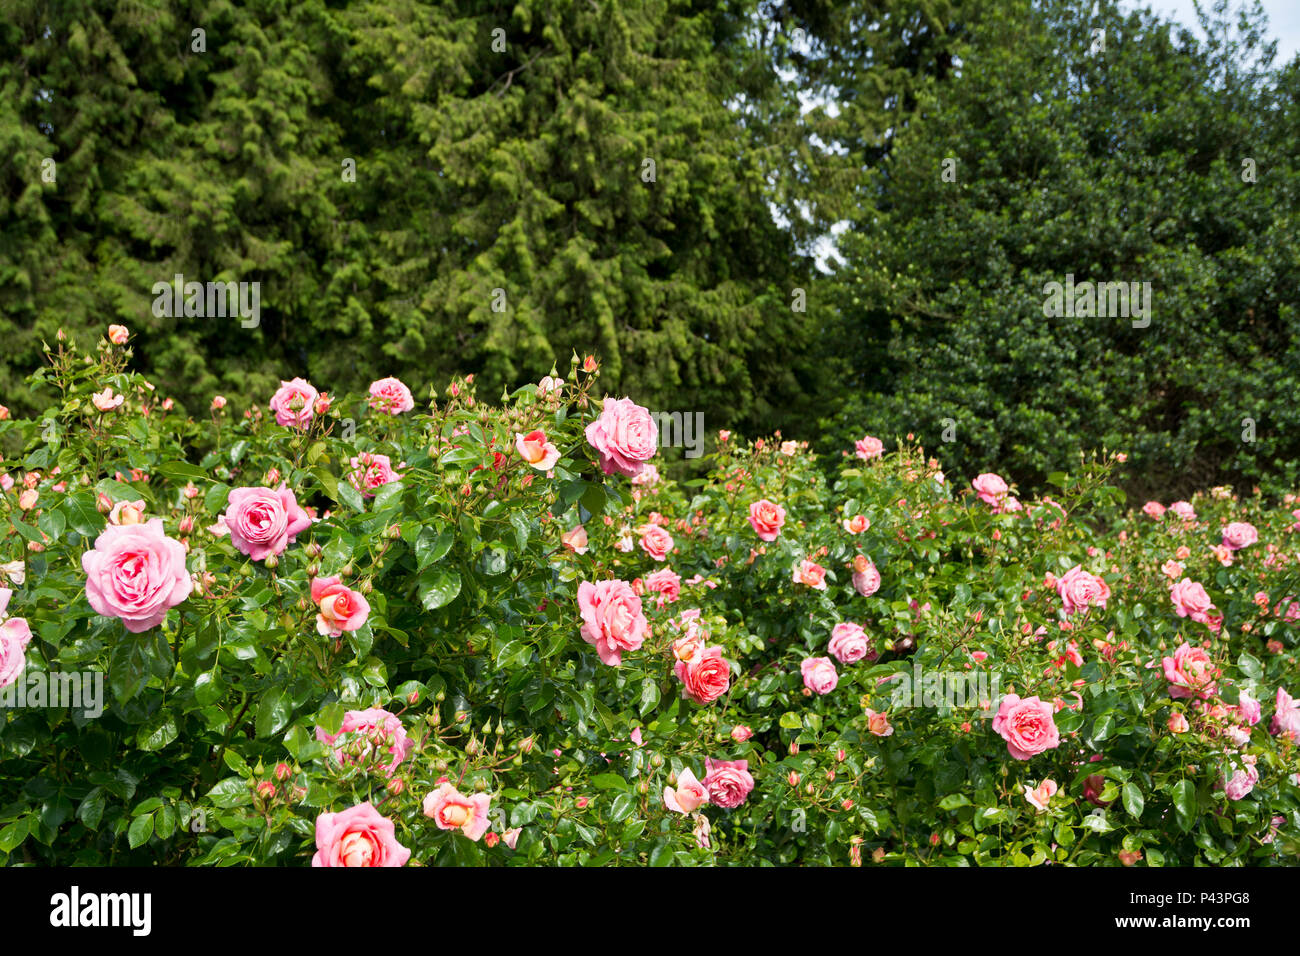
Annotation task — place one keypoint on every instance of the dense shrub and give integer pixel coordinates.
(384, 630)
(1165, 159)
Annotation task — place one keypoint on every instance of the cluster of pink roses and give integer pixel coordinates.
(726, 784)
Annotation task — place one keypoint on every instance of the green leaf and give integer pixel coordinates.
(231, 792)
(438, 587)
(157, 732)
(140, 831)
(432, 545)
(649, 695)
(1133, 801)
(1250, 666)
(1184, 796)
(350, 496)
(14, 834)
(622, 807)
(609, 781)
(273, 712)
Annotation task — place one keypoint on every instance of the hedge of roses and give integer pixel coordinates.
(390, 630)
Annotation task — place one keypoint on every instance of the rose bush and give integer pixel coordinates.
(312, 655)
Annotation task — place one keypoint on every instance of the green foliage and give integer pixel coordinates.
(210, 747)
(1119, 165)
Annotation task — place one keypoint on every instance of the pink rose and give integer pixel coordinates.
(357, 837)
(1153, 509)
(1190, 600)
(1026, 725)
(1079, 589)
(293, 402)
(136, 573)
(1286, 717)
(705, 677)
(624, 435)
(451, 810)
(370, 472)
(127, 512)
(766, 518)
(810, 573)
(1238, 535)
(367, 734)
(536, 450)
(665, 582)
(390, 396)
(15, 635)
(856, 525)
(611, 618)
(727, 781)
(849, 642)
(878, 723)
(1190, 672)
(1041, 795)
(655, 541)
(1184, 510)
(689, 795)
(341, 608)
(990, 488)
(740, 733)
(575, 540)
(263, 522)
(866, 579)
(819, 674)
(1243, 779)
(118, 334)
(868, 448)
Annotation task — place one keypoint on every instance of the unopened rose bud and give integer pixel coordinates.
(396, 786)
(282, 771)
(103, 503)
(266, 789)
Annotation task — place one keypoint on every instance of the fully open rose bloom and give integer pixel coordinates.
(452, 810)
(293, 403)
(665, 582)
(611, 618)
(357, 837)
(263, 522)
(705, 677)
(1238, 535)
(1190, 672)
(15, 635)
(1190, 600)
(689, 795)
(624, 435)
(990, 488)
(1184, 510)
(1153, 509)
(1026, 725)
(136, 573)
(1079, 589)
(810, 573)
(867, 448)
(655, 541)
(766, 518)
(1286, 716)
(849, 643)
(819, 674)
(727, 781)
(376, 731)
(536, 450)
(341, 608)
(390, 396)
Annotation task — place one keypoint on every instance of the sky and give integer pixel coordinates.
(1283, 20)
